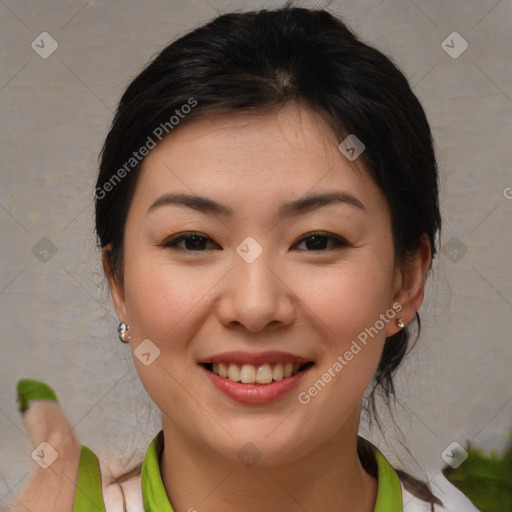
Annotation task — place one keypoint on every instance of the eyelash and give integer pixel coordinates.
(172, 243)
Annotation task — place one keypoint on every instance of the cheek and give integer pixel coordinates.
(347, 303)
(159, 296)
(347, 299)
(160, 307)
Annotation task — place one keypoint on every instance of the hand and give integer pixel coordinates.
(51, 489)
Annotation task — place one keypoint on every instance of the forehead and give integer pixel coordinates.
(254, 157)
(289, 127)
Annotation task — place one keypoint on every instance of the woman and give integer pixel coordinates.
(267, 209)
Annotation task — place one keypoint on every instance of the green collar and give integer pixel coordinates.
(154, 496)
(389, 493)
(89, 494)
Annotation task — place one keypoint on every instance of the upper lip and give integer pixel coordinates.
(254, 358)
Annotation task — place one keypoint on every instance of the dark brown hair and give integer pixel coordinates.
(260, 61)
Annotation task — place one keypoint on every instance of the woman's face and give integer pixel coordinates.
(255, 280)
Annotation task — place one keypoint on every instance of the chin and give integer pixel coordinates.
(264, 449)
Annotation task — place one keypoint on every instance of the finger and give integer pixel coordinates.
(56, 454)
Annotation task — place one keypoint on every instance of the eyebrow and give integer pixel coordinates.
(297, 207)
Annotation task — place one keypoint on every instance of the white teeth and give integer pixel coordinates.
(264, 374)
(277, 373)
(223, 372)
(250, 374)
(234, 373)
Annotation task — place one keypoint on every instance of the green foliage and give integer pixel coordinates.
(486, 479)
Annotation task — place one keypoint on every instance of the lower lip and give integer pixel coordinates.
(256, 393)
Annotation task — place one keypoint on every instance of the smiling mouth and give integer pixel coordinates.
(256, 374)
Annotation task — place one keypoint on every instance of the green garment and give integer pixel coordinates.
(89, 493)
(29, 389)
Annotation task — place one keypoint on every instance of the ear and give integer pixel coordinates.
(409, 283)
(116, 287)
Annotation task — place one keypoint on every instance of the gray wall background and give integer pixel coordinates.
(57, 323)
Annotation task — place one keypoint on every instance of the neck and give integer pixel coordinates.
(330, 477)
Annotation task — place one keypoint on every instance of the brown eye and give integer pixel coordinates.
(319, 241)
(194, 242)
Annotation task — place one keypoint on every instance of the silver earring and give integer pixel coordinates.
(122, 332)
(400, 323)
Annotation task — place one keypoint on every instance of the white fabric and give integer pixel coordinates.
(113, 496)
(453, 500)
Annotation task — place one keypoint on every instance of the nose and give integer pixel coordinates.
(256, 296)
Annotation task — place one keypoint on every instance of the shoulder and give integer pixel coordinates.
(453, 499)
